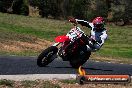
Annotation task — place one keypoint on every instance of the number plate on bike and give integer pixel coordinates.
(75, 33)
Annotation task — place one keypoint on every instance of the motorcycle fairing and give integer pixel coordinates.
(62, 38)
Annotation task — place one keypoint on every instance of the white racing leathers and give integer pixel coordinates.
(100, 36)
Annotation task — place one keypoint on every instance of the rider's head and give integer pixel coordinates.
(98, 22)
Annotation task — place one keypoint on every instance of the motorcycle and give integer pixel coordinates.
(69, 47)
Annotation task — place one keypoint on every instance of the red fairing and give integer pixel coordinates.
(61, 38)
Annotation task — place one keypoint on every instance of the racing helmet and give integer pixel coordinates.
(98, 22)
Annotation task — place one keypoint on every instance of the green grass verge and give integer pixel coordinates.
(119, 42)
(47, 84)
(8, 83)
(27, 84)
(72, 81)
(43, 28)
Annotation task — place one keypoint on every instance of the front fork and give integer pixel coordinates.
(56, 44)
(61, 52)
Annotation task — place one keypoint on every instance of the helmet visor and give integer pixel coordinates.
(98, 25)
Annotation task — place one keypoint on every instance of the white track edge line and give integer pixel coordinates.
(38, 76)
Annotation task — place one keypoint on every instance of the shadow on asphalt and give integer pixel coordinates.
(96, 69)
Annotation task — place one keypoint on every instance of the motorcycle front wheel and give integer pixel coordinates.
(47, 56)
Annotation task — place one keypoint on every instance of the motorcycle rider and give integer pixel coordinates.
(98, 33)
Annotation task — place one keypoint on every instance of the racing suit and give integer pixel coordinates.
(98, 35)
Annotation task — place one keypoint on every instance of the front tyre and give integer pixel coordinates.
(47, 56)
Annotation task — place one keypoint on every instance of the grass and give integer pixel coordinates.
(8, 83)
(72, 81)
(119, 43)
(28, 29)
(27, 84)
(43, 28)
(56, 84)
(46, 34)
(47, 84)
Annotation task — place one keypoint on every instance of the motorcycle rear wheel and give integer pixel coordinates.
(47, 56)
(76, 62)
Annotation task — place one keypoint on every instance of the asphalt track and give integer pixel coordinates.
(14, 65)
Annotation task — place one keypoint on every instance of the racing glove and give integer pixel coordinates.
(72, 20)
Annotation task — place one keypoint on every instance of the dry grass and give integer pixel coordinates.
(57, 84)
(19, 46)
(110, 59)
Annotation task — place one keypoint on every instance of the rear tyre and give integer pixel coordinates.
(47, 56)
(76, 62)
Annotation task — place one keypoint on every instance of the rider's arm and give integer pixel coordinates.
(83, 23)
(100, 41)
(104, 36)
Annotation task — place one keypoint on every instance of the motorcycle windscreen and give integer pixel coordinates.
(62, 38)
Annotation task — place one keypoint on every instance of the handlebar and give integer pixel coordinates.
(73, 21)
